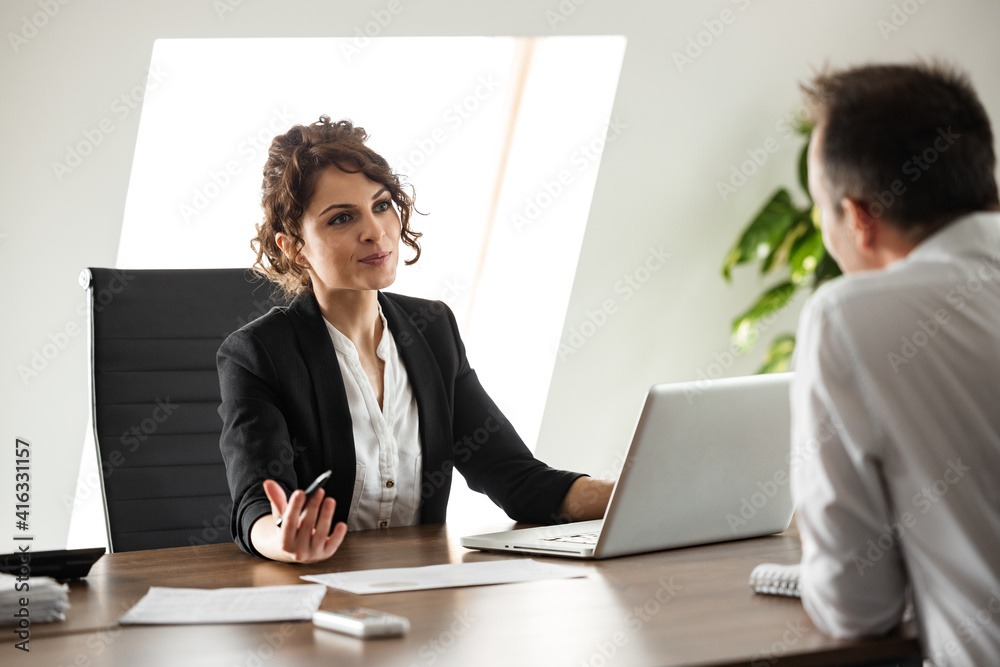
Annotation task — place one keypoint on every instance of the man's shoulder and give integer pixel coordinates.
(930, 272)
(836, 293)
(864, 307)
(870, 288)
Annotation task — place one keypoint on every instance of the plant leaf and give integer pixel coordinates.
(746, 327)
(779, 355)
(779, 255)
(804, 168)
(806, 254)
(765, 232)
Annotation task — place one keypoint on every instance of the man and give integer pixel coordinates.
(896, 398)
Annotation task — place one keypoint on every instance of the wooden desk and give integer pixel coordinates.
(681, 607)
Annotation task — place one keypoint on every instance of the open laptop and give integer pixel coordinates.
(708, 462)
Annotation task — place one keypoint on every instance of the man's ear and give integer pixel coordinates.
(862, 224)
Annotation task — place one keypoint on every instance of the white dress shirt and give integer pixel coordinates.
(386, 439)
(896, 446)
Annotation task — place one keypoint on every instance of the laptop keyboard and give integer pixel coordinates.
(579, 538)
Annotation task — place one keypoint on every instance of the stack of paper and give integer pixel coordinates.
(34, 600)
(225, 605)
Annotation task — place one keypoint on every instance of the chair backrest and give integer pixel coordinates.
(155, 397)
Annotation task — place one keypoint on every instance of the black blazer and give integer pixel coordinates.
(286, 417)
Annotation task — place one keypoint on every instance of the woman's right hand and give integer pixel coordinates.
(304, 535)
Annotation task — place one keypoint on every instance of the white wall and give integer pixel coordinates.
(657, 185)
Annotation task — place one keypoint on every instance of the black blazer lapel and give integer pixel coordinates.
(433, 411)
(333, 413)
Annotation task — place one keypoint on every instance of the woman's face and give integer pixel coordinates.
(351, 233)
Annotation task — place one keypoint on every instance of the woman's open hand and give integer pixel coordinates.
(304, 535)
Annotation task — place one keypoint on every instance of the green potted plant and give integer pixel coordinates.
(784, 239)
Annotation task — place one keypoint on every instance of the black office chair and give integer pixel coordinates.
(155, 395)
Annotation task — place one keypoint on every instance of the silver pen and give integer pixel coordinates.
(311, 489)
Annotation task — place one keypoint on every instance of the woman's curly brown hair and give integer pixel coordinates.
(295, 161)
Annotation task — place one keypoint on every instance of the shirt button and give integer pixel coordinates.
(390, 484)
(383, 523)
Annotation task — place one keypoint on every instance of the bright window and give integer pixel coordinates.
(501, 138)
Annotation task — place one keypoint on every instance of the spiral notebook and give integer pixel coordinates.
(774, 579)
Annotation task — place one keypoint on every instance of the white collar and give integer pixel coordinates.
(973, 234)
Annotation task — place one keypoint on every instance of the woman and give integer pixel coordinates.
(373, 386)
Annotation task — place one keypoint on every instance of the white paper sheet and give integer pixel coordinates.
(367, 582)
(225, 605)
